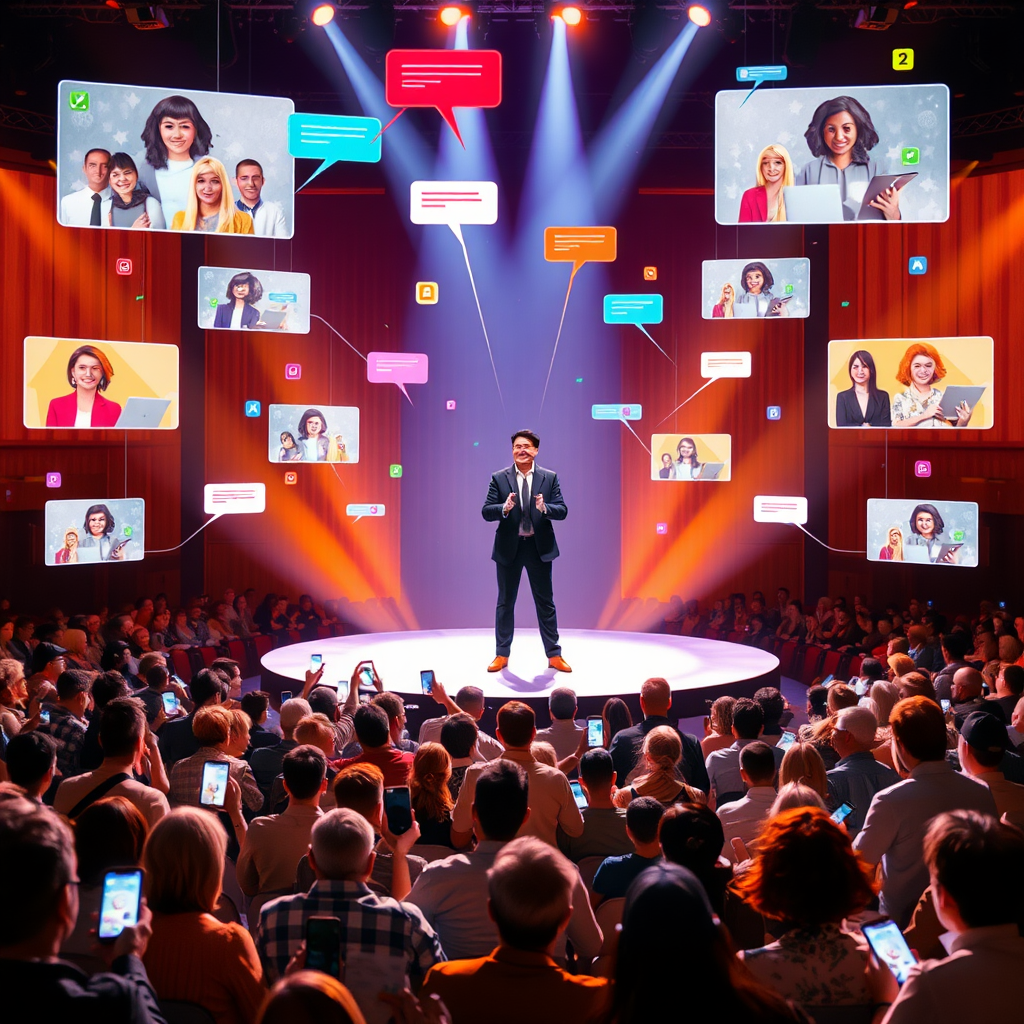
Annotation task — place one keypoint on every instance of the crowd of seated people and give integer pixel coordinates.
(351, 873)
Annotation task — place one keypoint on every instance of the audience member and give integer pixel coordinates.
(373, 733)
(459, 736)
(724, 765)
(67, 723)
(177, 740)
(795, 794)
(32, 762)
(857, 776)
(774, 706)
(238, 733)
(432, 803)
(255, 704)
(954, 647)
(613, 877)
(742, 819)
(564, 732)
(469, 701)
(691, 835)
(802, 763)
(718, 726)
(604, 824)
(659, 767)
(47, 663)
(105, 687)
(266, 762)
(982, 746)
(616, 717)
(1009, 688)
(310, 997)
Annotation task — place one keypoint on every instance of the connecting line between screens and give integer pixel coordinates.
(338, 475)
(340, 335)
(681, 404)
(625, 423)
(164, 551)
(480, 313)
(841, 551)
(554, 351)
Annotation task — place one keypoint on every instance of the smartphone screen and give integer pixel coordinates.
(946, 705)
(841, 813)
(786, 740)
(578, 794)
(366, 674)
(427, 680)
(595, 731)
(323, 945)
(888, 944)
(342, 690)
(44, 716)
(119, 906)
(398, 808)
(214, 789)
(286, 695)
(315, 661)
(170, 703)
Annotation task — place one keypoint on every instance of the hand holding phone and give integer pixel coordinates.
(286, 695)
(170, 703)
(595, 731)
(578, 795)
(890, 947)
(213, 790)
(427, 680)
(119, 904)
(786, 740)
(323, 945)
(398, 809)
(739, 850)
(315, 661)
(841, 813)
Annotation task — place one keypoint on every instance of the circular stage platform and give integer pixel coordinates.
(605, 664)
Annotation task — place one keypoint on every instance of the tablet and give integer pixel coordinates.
(781, 301)
(710, 470)
(272, 319)
(876, 186)
(140, 413)
(957, 393)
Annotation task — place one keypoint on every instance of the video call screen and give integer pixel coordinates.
(911, 383)
(824, 156)
(71, 383)
(925, 532)
(86, 531)
(156, 158)
(693, 457)
(303, 433)
(240, 299)
(745, 289)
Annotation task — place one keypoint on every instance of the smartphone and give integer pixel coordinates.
(367, 673)
(398, 808)
(170, 703)
(946, 705)
(323, 945)
(739, 850)
(286, 695)
(342, 690)
(427, 680)
(1002, 605)
(828, 680)
(595, 731)
(786, 740)
(214, 789)
(315, 661)
(841, 813)
(44, 716)
(119, 905)
(578, 795)
(887, 943)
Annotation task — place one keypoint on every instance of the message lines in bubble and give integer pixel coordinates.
(637, 310)
(331, 138)
(373, 509)
(761, 73)
(398, 368)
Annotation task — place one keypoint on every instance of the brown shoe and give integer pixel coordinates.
(498, 664)
(559, 664)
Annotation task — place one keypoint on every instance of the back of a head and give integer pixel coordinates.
(901, 664)
(360, 787)
(112, 654)
(721, 715)
(310, 997)
(1013, 679)
(150, 660)
(206, 684)
(597, 769)
(316, 729)
(516, 723)
(919, 726)
(211, 725)
(393, 705)
(292, 712)
(860, 724)
(562, 704)
(643, 815)
(157, 676)
(663, 748)
(530, 887)
(459, 734)
(122, 726)
(501, 799)
(758, 761)
(72, 682)
(795, 794)
(773, 705)
(885, 694)
(957, 644)
(470, 699)
(692, 835)
(30, 755)
(372, 728)
(109, 833)
(656, 695)
(841, 696)
(899, 645)
(917, 635)
(1010, 648)
(304, 769)
(340, 845)
(803, 763)
(255, 704)
(747, 718)
(872, 669)
(323, 700)
(916, 684)
(184, 862)
(817, 700)
(108, 686)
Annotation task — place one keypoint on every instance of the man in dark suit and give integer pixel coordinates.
(525, 541)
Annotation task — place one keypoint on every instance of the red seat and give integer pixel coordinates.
(786, 657)
(323, 632)
(855, 663)
(209, 655)
(264, 645)
(830, 666)
(293, 636)
(237, 651)
(735, 637)
(809, 664)
(182, 669)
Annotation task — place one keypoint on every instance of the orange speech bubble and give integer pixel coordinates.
(580, 245)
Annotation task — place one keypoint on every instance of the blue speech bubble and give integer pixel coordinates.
(333, 137)
(633, 309)
(625, 411)
(283, 297)
(759, 73)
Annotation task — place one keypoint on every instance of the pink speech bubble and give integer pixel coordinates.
(398, 368)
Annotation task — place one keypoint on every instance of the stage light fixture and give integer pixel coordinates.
(572, 16)
(322, 14)
(451, 16)
(699, 15)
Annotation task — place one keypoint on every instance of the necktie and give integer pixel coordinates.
(94, 219)
(526, 521)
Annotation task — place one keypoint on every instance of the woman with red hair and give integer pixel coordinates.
(918, 406)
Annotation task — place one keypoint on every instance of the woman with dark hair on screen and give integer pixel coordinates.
(175, 135)
(687, 465)
(840, 136)
(766, 201)
(668, 468)
(920, 368)
(926, 526)
(757, 299)
(290, 450)
(89, 373)
(210, 203)
(863, 404)
(316, 444)
(243, 292)
(130, 204)
(99, 526)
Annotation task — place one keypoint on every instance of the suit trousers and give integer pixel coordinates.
(509, 577)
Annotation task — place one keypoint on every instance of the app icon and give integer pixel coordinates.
(959, 535)
(789, 289)
(903, 60)
(123, 266)
(910, 155)
(395, 470)
(662, 528)
(78, 100)
(128, 531)
(426, 293)
(774, 412)
(252, 407)
(922, 467)
(293, 371)
(53, 479)
(917, 265)
(450, 405)
(650, 273)
(291, 477)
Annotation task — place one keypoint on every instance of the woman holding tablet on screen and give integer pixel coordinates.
(89, 373)
(920, 405)
(210, 205)
(765, 201)
(863, 404)
(243, 292)
(926, 526)
(687, 466)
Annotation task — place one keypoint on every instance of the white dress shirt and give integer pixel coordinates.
(267, 218)
(487, 747)
(76, 208)
(742, 819)
(563, 735)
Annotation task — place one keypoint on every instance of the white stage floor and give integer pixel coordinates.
(605, 663)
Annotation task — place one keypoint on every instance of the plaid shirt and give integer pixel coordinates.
(187, 779)
(69, 734)
(371, 924)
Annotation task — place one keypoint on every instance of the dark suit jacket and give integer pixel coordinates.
(250, 315)
(625, 750)
(848, 412)
(506, 537)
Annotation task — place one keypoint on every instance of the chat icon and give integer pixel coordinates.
(283, 297)
(376, 510)
(443, 79)
(399, 368)
(636, 310)
(725, 364)
(333, 137)
(759, 73)
(453, 203)
(580, 245)
(234, 499)
(633, 411)
(775, 508)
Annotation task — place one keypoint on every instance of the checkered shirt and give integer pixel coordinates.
(375, 924)
(69, 734)
(186, 779)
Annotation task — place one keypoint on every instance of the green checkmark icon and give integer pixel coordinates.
(79, 101)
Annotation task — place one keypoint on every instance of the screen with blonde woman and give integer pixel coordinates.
(911, 383)
(691, 457)
(313, 433)
(87, 531)
(745, 289)
(926, 532)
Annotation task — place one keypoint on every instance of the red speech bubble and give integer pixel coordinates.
(443, 79)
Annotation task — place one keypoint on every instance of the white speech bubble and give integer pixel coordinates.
(234, 499)
(780, 508)
(725, 364)
(453, 202)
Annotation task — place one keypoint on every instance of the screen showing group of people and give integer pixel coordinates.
(300, 433)
(925, 532)
(901, 383)
(237, 299)
(83, 531)
(691, 457)
(135, 157)
(744, 289)
(824, 156)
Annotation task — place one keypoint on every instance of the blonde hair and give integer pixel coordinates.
(428, 782)
(795, 794)
(885, 694)
(897, 548)
(663, 748)
(802, 763)
(317, 731)
(74, 641)
(184, 862)
(544, 753)
(226, 213)
(788, 177)
(241, 724)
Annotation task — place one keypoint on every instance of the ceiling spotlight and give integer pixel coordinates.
(322, 14)
(572, 16)
(451, 15)
(700, 16)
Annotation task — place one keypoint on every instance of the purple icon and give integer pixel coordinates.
(293, 371)
(626, 410)
(53, 479)
(922, 467)
(450, 404)
(662, 528)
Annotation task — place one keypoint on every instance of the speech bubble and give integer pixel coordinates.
(375, 510)
(398, 368)
(637, 310)
(759, 73)
(443, 79)
(775, 508)
(628, 411)
(333, 137)
(724, 364)
(580, 245)
(453, 203)
(283, 297)
(234, 499)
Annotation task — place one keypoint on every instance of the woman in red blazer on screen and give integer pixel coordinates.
(766, 202)
(89, 373)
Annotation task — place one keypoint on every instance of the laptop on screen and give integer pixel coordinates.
(142, 413)
(813, 204)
